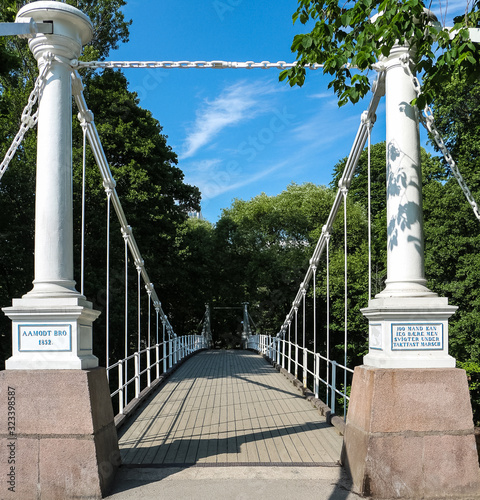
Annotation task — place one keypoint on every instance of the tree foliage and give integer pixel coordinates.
(155, 198)
(348, 38)
(266, 245)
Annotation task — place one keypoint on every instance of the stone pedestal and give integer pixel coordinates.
(410, 434)
(58, 438)
(408, 332)
(51, 333)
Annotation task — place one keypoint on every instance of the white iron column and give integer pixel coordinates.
(408, 324)
(53, 203)
(405, 261)
(52, 324)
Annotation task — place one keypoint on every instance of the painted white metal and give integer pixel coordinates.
(408, 324)
(25, 27)
(270, 347)
(196, 342)
(54, 305)
(189, 64)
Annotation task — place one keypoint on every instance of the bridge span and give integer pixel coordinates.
(226, 416)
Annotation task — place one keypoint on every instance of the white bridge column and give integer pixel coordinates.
(409, 430)
(52, 324)
(408, 324)
(62, 436)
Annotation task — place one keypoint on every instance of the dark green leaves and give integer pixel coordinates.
(349, 34)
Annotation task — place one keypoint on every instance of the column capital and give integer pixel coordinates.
(72, 29)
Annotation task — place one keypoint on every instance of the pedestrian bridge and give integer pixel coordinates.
(228, 410)
(409, 431)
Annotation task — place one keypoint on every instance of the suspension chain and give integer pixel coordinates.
(428, 122)
(189, 64)
(28, 119)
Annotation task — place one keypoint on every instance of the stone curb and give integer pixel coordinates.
(135, 403)
(318, 404)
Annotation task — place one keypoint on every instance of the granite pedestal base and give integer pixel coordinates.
(410, 434)
(58, 438)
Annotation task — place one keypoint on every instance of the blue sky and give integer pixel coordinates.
(238, 132)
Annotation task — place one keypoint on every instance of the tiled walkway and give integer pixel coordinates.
(232, 408)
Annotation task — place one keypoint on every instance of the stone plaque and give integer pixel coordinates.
(417, 336)
(41, 338)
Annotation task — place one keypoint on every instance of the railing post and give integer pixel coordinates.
(317, 374)
(305, 367)
(120, 388)
(164, 349)
(149, 375)
(157, 364)
(175, 345)
(289, 361)
(283, 353)
(333, 386)
(296, 360)
(170, 349)
(137, 374)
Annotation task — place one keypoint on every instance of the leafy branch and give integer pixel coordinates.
(349, 38)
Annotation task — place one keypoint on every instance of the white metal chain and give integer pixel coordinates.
(28, 119)
(428, 122)
(190, 64)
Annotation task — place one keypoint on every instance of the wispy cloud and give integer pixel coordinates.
(237, 103)
(213, 178)
(322, 95)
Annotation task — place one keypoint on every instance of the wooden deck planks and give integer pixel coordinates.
(227, 407)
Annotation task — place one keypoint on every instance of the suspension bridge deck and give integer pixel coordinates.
(229, 408)
(227, 425)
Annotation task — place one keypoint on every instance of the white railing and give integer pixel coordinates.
(172, 352)
(296, 360)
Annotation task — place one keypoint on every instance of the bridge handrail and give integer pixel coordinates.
(271, 346)
(175, 350)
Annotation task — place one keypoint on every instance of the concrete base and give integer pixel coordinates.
(58, 438)
(410, 434)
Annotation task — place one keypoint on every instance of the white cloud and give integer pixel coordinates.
(237, 103)
(213, 178)
(322, 95)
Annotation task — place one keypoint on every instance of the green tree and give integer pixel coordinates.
(194, 281)
(348, 36)
(452, 231)
(150, 185)
(267, 243)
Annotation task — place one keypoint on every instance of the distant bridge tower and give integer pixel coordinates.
(247, 330)
(207, 326)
